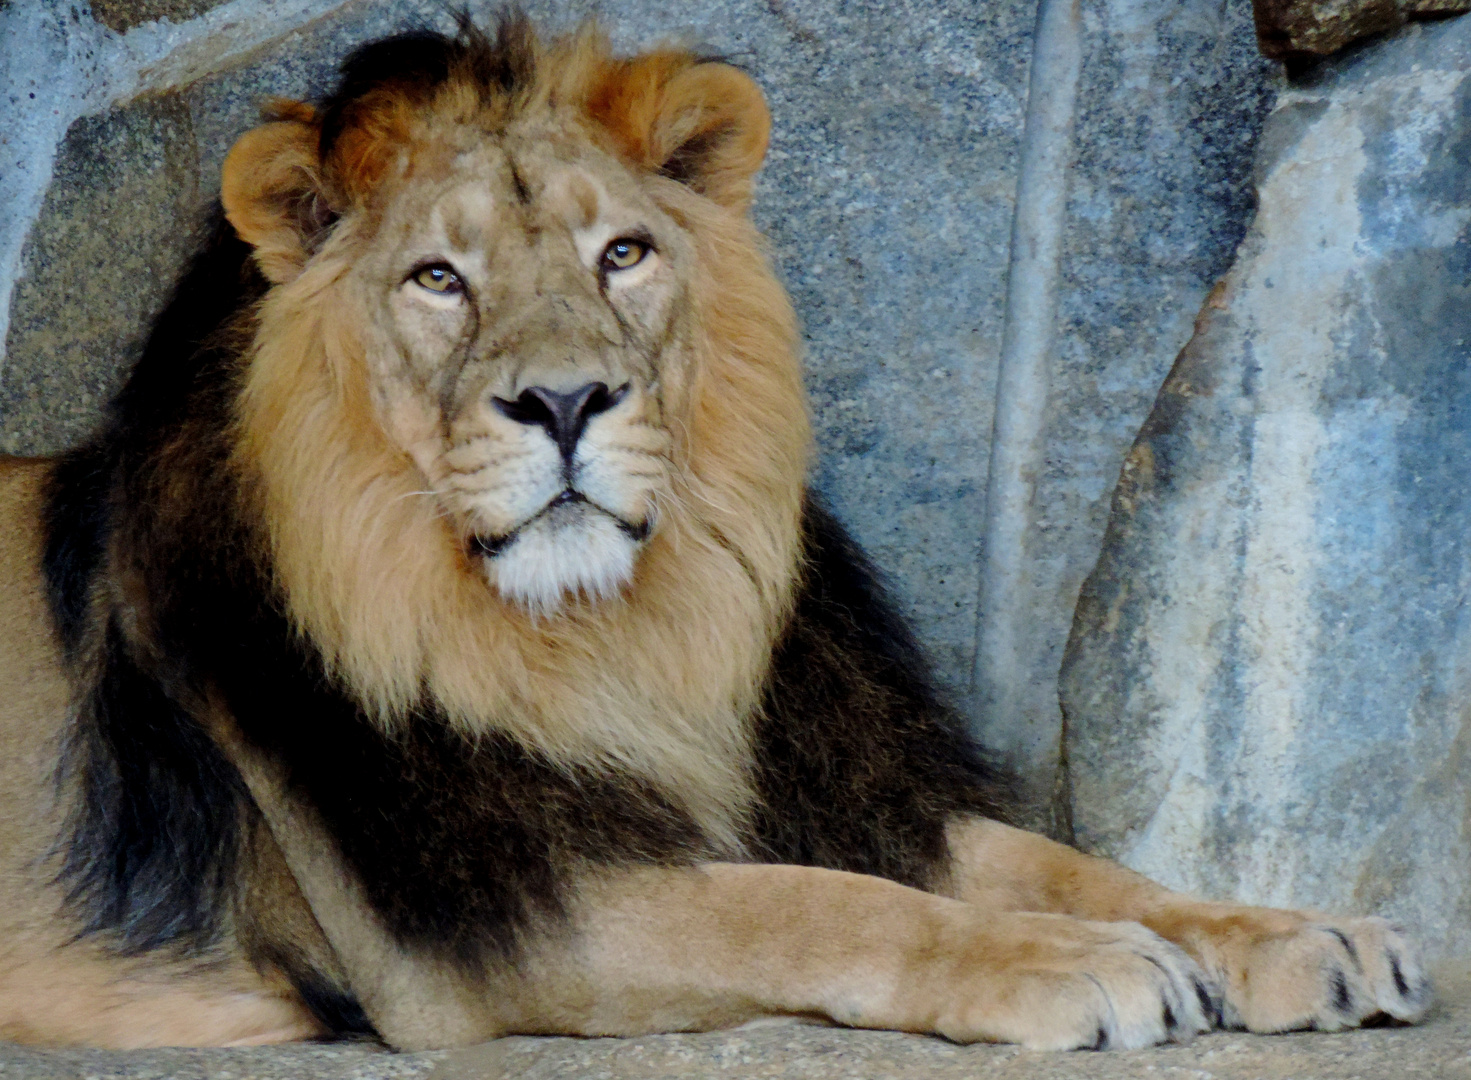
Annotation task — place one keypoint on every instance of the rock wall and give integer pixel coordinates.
(1268, 685)
(1170, 100)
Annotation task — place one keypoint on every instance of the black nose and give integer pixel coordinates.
(563, 415)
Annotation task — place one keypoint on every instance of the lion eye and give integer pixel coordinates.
(623, 253)
(439, 278)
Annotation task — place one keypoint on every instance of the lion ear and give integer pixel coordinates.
(705, 125)
(271, 190)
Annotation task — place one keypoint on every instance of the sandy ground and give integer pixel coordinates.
(1438, 1048)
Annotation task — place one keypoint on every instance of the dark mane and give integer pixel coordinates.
(424, 59)
(220, 282)
(861, 762)
(155, 828)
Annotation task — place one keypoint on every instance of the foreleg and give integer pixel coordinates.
(662, 950)
(1280, 970)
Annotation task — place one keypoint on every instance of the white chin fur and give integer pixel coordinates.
(559, 556)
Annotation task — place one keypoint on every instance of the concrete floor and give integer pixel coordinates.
(1438, 1048)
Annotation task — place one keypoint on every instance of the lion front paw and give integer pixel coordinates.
(1070, 984)
(1321, 974)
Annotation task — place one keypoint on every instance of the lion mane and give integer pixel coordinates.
(251, 560)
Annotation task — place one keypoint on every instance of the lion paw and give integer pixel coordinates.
(1089, 985)
(1323, 975)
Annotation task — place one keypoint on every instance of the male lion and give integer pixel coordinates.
(438, 641)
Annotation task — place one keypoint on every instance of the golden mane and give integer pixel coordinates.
(662, 680)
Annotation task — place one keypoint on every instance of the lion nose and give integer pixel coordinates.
(563, 415)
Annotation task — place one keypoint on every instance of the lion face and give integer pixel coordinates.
(525, 349)
(522, 351)
(514, 227)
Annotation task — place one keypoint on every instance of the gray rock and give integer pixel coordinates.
(888, 200)
(114, 232)
(1266, 685)
(123, 15)
(1171, 97)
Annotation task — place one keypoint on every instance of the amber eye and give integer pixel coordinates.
(438, 277)
(623, 253)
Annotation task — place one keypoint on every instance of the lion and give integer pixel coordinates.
(439, 640)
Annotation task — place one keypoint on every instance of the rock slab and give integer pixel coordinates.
(1171, 97)
(1267, 689)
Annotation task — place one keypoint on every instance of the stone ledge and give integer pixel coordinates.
(1440, 1047)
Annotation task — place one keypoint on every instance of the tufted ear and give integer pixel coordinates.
(271, 189)
(703, 124)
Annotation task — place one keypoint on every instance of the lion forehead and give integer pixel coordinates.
(523, 184)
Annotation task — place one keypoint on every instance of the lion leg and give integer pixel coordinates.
(709, 947)
(697, 948)
(692, 949)
(1280, 970)
(55, 990)
(79, 996)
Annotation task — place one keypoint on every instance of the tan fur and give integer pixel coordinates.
(54, 991)
(694, 949)
(67, 998)
(261, 197)
(654, 103)
(1272, 964)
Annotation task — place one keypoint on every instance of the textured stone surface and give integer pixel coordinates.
(1171, 97)
(1295, 28)
(343, 1061)
(115, 231)
(1437, 1048)
(888, 200)
(1267, 685)
(123, 15)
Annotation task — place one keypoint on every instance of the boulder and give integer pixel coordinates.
(1267, 689)
(1171, 97)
